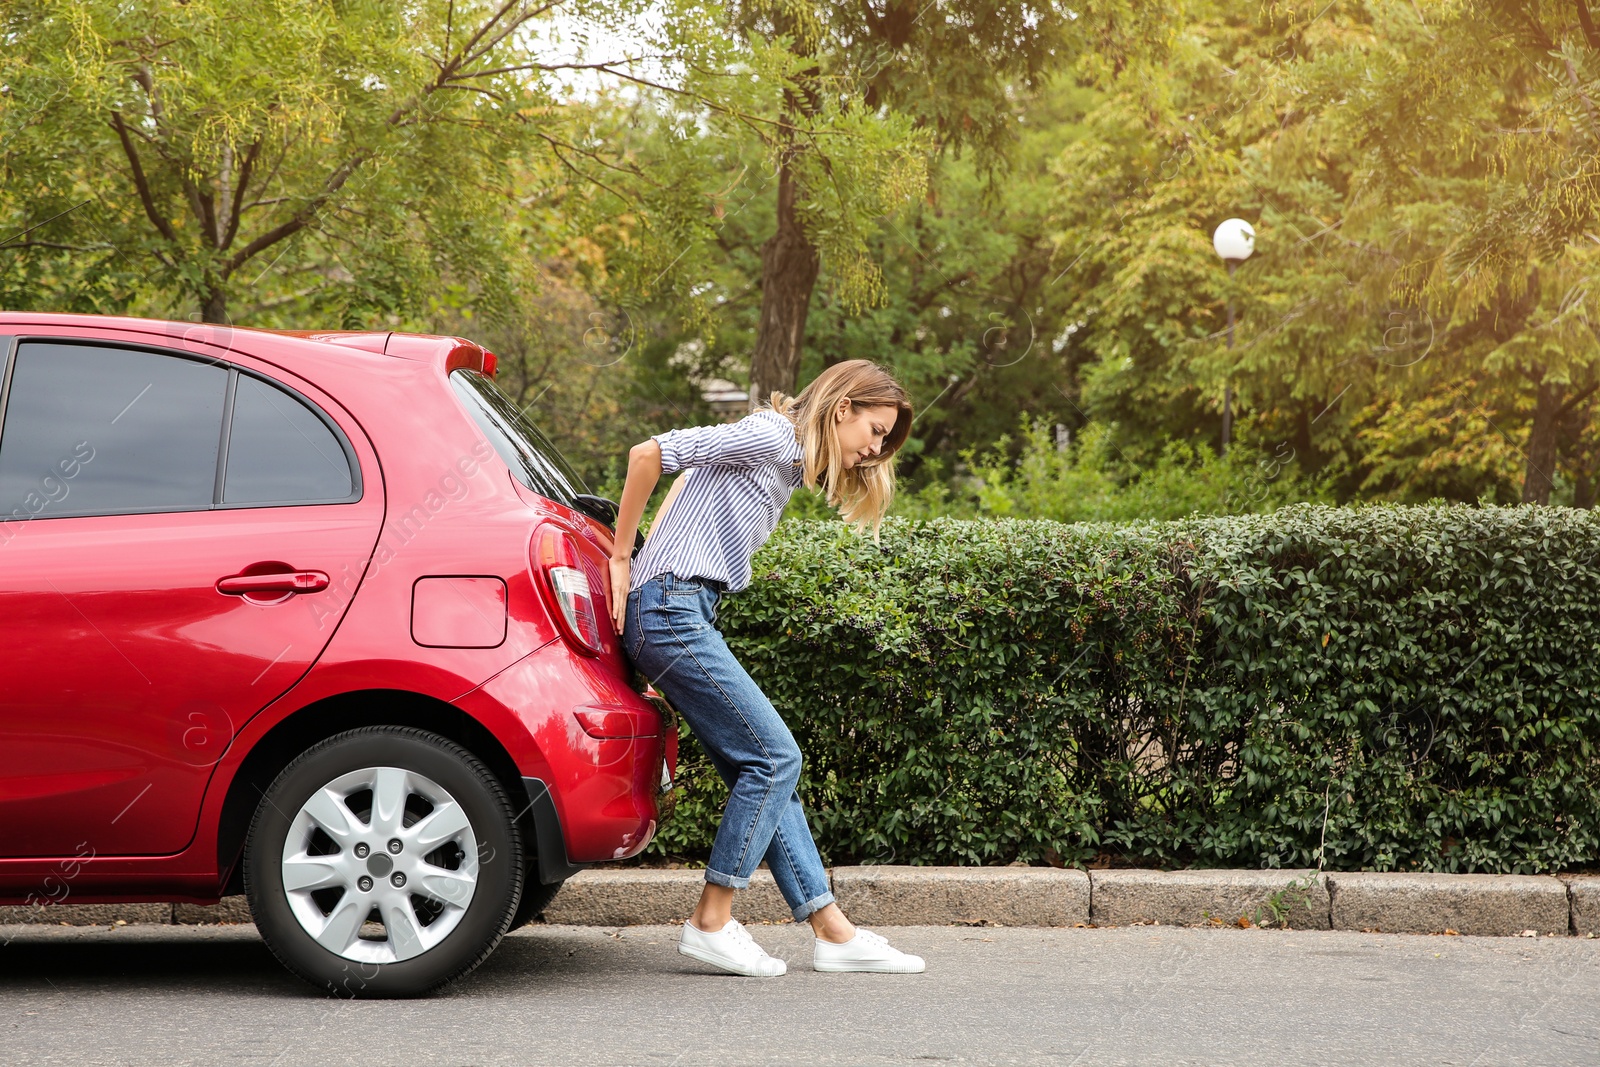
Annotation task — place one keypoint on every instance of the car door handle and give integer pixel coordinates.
(282, 582)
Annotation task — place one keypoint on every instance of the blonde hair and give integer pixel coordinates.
(861, 493)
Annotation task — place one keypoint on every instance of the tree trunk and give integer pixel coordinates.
(214, 308)
(1583, 491)
(789, 266)
(1539, 476)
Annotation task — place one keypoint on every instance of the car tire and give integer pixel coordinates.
(536, 896)
(382, 862)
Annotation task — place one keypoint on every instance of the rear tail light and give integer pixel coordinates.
(578, 608)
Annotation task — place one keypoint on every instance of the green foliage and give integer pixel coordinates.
(968, 318)
(1080, 484)
(1381, 688)
(1423, 181)
(205, 134)
(1011, 203)
(1093, 481)
(869, 91)
(359, 164)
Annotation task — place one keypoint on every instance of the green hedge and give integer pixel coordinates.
(1375, 688)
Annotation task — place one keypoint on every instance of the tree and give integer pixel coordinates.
(361, 147)
(1520, 267)
(1422, 178)
(874, 85)
(1166, 155)
(1475, 128)
(967, 315)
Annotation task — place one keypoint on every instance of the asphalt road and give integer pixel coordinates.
(583, 995)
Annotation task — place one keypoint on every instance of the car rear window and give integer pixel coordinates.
(533, 460)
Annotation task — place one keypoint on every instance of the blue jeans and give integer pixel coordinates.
(670, 635)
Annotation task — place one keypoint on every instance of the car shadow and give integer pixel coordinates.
(234, 961)
(86, 964)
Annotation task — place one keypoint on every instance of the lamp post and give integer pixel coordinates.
(1234, 240)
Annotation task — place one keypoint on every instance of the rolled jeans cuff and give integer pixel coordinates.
(804, 911)
(716, 877)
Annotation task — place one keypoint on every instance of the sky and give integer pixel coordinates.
(571, 36)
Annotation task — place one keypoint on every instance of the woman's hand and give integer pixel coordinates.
(619, 592)
(644, 470)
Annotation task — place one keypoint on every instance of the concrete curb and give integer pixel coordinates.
(229, 910)
(1483, 904)
(1583, 895)
(635, 896)
(1492, 904)
(1297, 898)
(940, 896)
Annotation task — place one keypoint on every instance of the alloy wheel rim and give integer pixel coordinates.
(380, 865)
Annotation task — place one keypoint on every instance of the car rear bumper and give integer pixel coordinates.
(599, 793)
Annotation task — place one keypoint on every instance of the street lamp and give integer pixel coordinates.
(1234, 240)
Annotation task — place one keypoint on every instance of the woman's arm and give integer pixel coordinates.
(644, 471)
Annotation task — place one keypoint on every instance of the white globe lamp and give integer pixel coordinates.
(1234, 240)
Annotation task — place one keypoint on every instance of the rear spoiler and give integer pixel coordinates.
(453, 353)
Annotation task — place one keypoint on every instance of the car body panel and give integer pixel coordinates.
(135, 671)
(603, 788)
(437, 502)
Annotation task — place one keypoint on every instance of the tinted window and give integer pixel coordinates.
(533, 460)
(281, 451)
(95, 431)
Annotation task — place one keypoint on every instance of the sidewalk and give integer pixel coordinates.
(1484, 904)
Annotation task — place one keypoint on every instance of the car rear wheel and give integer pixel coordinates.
(384, 861)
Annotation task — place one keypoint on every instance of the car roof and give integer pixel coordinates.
(448, 352)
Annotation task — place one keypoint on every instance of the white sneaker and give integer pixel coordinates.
(730, 948)
(866, 951)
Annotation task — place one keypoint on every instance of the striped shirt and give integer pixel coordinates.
(743, 475)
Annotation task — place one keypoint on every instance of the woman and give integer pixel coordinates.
(842, 431)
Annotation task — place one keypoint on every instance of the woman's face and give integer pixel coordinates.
(862, 430)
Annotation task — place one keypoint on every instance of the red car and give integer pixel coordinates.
(318, 617)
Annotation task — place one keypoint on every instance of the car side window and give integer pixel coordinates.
(101, 430)
(280, 451)
(96, 430)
